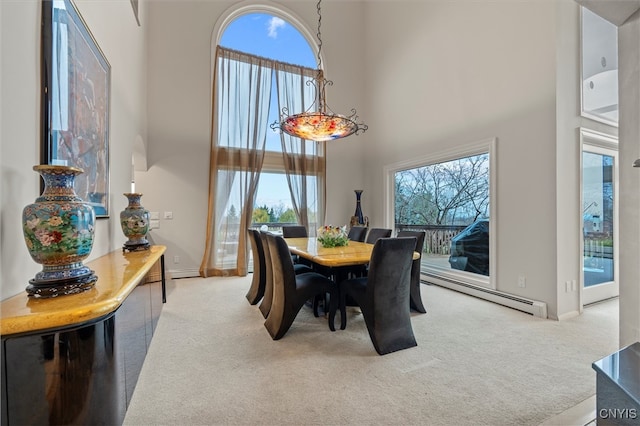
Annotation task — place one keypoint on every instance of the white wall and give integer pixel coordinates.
(444, 74)
(123, 43)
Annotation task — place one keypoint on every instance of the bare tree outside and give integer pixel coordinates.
(450, 202)
(450, 193)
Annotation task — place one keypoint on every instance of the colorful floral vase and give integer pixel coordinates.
(59, 230)
(134, 220)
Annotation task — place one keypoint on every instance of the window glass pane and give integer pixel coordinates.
(270, 37)
(599, 68)
(450, 201)
(273, 203)
(598, 215)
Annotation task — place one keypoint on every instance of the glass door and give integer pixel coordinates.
(599, 223)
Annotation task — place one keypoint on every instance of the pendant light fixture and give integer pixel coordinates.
(319, 123)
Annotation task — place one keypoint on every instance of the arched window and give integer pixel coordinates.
(259, 176)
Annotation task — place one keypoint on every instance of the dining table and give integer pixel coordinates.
(335, 262)
(353, 254)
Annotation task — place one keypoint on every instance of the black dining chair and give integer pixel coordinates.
(377, 233)
(415, 296)
(294, 231)
(383, 296)
(256, 291)
(265, 305)
(291, 291)
(357, 233)
(374, 235)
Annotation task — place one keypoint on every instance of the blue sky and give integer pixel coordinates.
(271, 37)
(268, 36)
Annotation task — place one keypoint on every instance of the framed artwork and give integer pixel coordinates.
(75, 101)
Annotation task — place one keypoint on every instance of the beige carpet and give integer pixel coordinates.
(212, 362)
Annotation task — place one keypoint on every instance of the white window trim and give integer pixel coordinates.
(604, 144)
(479, 147)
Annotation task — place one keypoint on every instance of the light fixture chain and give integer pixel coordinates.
(319, 35)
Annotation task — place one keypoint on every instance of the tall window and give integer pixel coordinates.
(599, 68)
(259, 175)
(449, 197)
(272, 37)
(600, 227)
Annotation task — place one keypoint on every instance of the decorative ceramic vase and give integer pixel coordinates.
(58, 230)
(134, 220)
(358, 212)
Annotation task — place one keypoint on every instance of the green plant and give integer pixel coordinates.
(333, 236)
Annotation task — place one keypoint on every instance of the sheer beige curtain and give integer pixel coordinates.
(242, 89)
(242, 92)
(304, 161)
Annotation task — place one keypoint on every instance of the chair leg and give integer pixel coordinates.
(333, 306)
(343, 309)
(416, 299)
(316, 303)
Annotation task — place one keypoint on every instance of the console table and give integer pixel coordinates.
(618, 387)
(75, 359)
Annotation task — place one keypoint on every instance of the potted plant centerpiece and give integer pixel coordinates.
(333, 236)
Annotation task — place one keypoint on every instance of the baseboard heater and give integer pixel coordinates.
(533, 307)
(184, 273)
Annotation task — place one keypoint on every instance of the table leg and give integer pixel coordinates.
(164, 284)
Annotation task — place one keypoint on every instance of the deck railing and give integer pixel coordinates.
(438, 238)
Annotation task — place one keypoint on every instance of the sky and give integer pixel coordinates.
(271, 37)
(268, 36)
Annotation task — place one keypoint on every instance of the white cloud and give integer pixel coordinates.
(274, 24)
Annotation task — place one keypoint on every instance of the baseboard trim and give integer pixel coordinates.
(533, 307)
(567, 315)
(184, 273)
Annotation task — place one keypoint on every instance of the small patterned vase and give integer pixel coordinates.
(58, 230)
(134, 220)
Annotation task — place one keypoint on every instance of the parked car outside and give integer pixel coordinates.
(470, 248)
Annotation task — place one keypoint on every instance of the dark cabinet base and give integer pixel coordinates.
(80, 375)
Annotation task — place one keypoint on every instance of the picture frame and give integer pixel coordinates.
(76, 80)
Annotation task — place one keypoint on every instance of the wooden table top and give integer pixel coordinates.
(355, 253)
(118, 274)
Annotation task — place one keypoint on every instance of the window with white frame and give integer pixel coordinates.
(449, 197)
(599, 51)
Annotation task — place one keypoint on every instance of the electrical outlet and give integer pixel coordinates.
(154, 224)
(522, 281)
(154, 215)
(176, 259)
(168, 215)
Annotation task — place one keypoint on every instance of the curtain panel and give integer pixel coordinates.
(243, 85)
